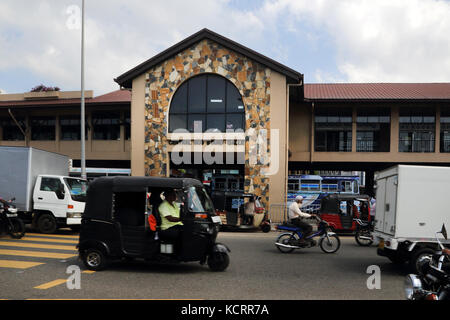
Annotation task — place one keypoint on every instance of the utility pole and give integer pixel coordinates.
(83, 131)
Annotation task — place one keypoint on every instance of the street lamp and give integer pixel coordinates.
(83, 139)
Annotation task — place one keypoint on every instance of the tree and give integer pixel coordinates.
(42, 88)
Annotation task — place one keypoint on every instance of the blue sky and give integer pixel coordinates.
(326, 40)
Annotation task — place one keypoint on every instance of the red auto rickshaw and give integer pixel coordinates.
(340, 210)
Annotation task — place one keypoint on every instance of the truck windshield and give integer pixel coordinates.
(77, 188)
(199, 201)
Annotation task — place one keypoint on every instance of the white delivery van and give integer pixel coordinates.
(45, 195)
(412, 204)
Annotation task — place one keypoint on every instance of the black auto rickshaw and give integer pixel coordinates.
(340, 210)
(230, 206)
(115, 223)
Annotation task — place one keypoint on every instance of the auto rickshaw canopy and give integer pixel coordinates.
(331, 202)
(99, 204)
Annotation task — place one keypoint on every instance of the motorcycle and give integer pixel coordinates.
(363, 232)
(10, 222)
(286, 242)
(433, 280)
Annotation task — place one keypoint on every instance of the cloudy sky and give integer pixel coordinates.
(326, 40)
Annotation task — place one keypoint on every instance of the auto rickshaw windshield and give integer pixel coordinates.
(198, 201)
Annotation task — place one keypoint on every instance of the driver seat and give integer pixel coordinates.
(156, 201)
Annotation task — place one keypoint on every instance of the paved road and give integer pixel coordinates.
(35, 268)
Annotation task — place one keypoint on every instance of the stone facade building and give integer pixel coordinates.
(261, 83)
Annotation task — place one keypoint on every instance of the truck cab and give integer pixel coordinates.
(58, 201)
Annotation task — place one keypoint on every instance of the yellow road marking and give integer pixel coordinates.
(18, 264)
(51, 284)
(52, 235)
(51, 255)
(36, 245)
(88, 271)
(37, 239)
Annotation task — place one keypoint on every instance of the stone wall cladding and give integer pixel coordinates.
(250, 78)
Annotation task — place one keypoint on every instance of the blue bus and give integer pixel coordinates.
(314, 187)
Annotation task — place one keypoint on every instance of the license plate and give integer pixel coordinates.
(11, 215)
(381, 244)
(216, 219)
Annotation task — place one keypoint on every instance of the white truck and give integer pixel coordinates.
(45, 195)
(412, 204)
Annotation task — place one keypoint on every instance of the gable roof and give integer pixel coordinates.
(125, 80)
(377, 91)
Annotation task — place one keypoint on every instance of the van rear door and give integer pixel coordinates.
(390, 209)
(380, 205)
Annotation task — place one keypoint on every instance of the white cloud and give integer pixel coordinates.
(119, 35)
(381, 41)
(373, 41)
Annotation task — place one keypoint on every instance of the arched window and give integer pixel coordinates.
(207, 102)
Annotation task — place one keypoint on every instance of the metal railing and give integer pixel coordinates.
(278, 213)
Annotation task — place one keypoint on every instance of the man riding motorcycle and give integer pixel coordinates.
(296, 217)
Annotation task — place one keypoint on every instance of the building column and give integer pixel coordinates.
(437, 140)
(395, 127)
(354, 114)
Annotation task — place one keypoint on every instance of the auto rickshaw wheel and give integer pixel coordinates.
(218, 261)
(95, 259)
(266, 228)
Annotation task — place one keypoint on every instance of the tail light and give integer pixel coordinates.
(70, 206)
(201, 216)
(431, 296)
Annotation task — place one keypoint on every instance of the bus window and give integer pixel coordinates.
(329, 186)
(348, 186)
(310, 185)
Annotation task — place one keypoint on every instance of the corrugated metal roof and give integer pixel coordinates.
(378, 91)
(113, 97)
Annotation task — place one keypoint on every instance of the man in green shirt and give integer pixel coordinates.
(171, 225)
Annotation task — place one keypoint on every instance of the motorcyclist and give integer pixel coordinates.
(296, 217)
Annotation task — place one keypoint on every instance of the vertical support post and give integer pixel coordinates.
(83, 131)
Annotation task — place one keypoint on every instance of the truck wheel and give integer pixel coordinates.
(417, 257)
(46, 223)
